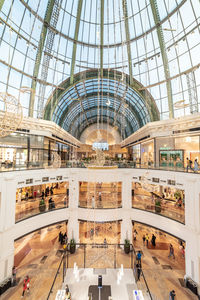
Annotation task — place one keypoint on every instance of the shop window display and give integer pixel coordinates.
(164, 200)
(99, 232)
(172, 158)
(147, 153)
(190, 145)
(32, 200)
(100, 194)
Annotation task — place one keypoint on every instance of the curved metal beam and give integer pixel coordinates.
(93, 74)
(94, 117)
(111, 45)
(112, 96)
(125, 12)
(43, 34)
(102, 33)
(156, 16)
(1, 4)
(78, 17)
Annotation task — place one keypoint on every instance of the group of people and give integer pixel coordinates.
(189, 165)
(146, 238)
(62, 238)
(48, 191)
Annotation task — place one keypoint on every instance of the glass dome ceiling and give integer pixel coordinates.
(156, 42)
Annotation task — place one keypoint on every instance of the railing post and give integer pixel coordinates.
(132, 258)
(84, 254)
(115, 256)
(64, 265)
(67, 259)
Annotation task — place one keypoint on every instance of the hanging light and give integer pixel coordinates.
(108, 102)
(169, 29)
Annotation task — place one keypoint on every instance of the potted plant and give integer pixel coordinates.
(42, 205)
(178, 194)
(126, 246)
(72, 246)
(158, 206)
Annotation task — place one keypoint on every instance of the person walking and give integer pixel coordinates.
(135, 235)
(153, 240)
(147, 239)
(138, 269)
(172, 295)
(26, 285)
(14, 272)
(189, 164)
(171, 251)
(143, 238)
(138, 257)
(196, 166)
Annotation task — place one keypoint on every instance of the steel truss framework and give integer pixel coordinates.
(75, 105)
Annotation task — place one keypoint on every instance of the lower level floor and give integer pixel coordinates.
(38, 255)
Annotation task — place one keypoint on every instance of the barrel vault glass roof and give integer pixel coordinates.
(155, 41)
(116, 105)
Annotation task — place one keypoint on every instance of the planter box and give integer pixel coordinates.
(127, 249)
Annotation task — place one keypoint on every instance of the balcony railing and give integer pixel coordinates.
(81, 164)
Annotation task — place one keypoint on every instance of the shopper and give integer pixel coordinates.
(172, 295)
(42, 195)
(189, 164)
(134, 234)
(153, 240)
(14, 272)
(138, 257)
(143, 238)
(51, 190)
(26, 285)
(50, 203)
(138, 269)
(60, 237)
(100, 197)
(196, 166)
(68, 295)
(147, 239)
(171, 251)
(35, 194)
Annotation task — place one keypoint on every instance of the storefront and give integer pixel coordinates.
(147, 153)
(171, 158)
(22, 150)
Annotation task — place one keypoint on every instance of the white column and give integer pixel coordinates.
(7, 221)
(192, 221)
(73, 224)
(126, 225)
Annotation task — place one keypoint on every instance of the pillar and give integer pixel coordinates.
(126, 224)
(192, 222)
(73, 224)
(7, 222)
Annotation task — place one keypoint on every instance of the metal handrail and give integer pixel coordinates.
(51, 289)
(148, 290)
(132, 250)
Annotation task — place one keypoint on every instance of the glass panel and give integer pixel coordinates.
(33, 200)
(163, 200)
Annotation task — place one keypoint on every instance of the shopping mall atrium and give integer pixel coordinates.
(99, 149)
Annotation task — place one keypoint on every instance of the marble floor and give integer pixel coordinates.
(162, 274)
(38, 255)
(87, 277)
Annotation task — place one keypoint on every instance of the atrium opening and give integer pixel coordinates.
(99, 149)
